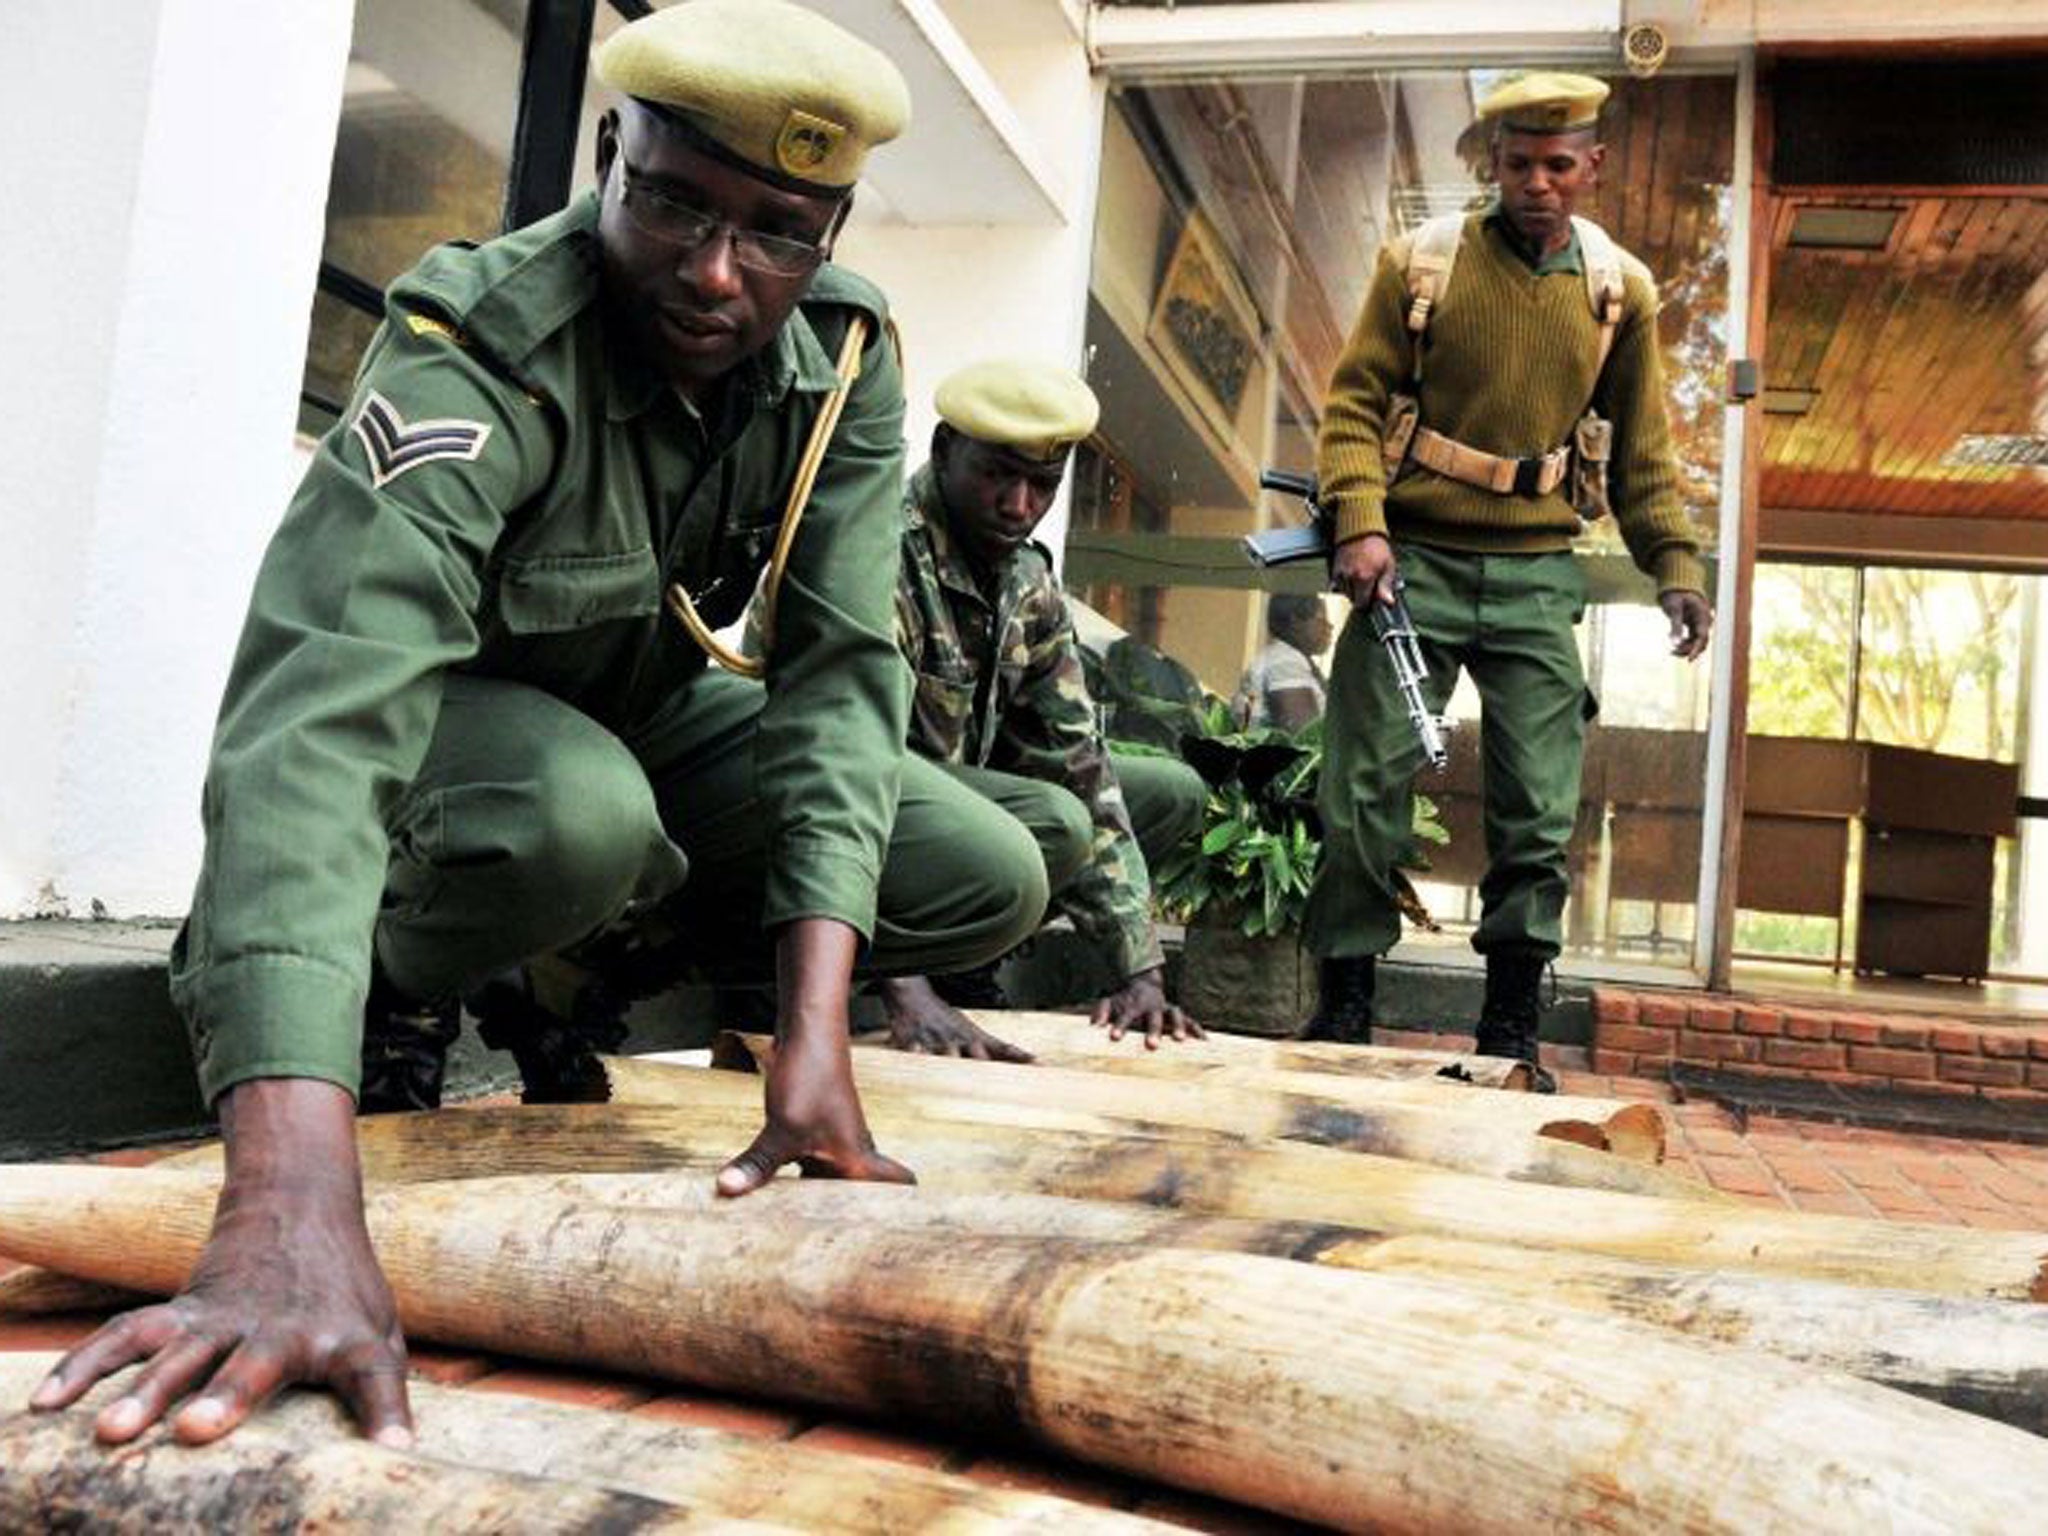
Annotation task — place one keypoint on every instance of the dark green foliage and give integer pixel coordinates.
(1261, 838)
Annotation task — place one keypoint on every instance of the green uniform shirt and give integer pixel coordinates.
(508, 493)
(999, 685)
(1542, 264)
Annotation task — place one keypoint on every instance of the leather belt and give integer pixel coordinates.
(1537, 476)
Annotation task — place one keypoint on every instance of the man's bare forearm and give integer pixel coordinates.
(290, 1133)
(813, 976)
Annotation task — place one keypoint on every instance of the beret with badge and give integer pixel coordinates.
(793, 97)
(1036, 409)
(1545, 102)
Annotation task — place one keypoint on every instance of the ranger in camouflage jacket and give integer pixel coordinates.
(999, 685)
(1002, 708)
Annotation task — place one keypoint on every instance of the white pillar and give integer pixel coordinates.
(2032, 958)
(166, 167)
(963, 292)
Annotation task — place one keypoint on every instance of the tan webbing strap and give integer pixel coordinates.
(1432, 253)
(1489, 471)
(1605, 290)
(679, 602)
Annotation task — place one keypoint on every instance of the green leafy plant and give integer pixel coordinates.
(1261, 838)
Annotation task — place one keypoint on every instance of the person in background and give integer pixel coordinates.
(1283, 688)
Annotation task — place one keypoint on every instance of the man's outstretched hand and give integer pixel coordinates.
(924, 1023)
(1692, 621)
(287, 1289)
(1140, 1004)
(814, 1113)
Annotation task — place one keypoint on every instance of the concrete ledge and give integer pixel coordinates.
(92, 1055)
(91, 1052)
(1877, 1104)
(1911, 1071)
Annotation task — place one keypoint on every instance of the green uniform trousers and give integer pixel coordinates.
(1166, 799)
(1163, 796)
(1507, 619)
(530, 827)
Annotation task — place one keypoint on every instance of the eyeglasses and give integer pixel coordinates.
(690, 229)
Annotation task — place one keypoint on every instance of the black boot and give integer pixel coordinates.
(977, 988)
(1344, 988)
(405, 1049)
(748, 1008)
(557, 1056)
(1513, 1008)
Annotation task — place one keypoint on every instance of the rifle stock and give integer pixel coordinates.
(1393, 626)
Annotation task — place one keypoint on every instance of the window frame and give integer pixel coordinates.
(553, 62)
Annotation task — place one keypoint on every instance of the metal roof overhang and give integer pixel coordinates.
(966, 158)
(1352, 35)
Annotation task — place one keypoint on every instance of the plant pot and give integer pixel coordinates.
(1262, 986)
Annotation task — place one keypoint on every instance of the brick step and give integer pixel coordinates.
(1643, 1033)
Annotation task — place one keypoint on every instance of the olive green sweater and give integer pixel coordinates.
(1508, 368)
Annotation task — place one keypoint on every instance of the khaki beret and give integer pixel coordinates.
(778, 86)
(1546, 103)
(1036, 409)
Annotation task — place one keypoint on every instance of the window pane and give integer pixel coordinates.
(340, 333)
(422, 152)
(1803, 628)
(1948, 662)
(1941, 661)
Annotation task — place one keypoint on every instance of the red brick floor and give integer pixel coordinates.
(1807, 1166)
(1841, 1170)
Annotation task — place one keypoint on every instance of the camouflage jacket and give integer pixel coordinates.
(1000, 686)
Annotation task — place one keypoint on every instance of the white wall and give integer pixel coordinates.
(2032, 959)
(62, 267)
(159, 296)
(961, 293)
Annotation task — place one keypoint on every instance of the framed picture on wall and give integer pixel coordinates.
(1205, 328)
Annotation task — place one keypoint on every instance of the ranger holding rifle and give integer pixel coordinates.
(1501, 383)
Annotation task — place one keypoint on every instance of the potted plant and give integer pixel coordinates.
(1242, 888)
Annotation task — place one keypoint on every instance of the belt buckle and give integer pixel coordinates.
(1529, 477)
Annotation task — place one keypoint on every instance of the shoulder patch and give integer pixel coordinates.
(427, 325)
(395, 445)
(835, 284)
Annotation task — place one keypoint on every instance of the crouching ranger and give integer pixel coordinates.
(461, 731)
(1002, 706)
(1502, 381)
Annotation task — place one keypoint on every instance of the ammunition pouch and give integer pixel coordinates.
(1404, 415)
(1592, 448)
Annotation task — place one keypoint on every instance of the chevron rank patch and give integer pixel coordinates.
(396, 445)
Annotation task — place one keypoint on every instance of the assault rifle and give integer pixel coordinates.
(1391, 623)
